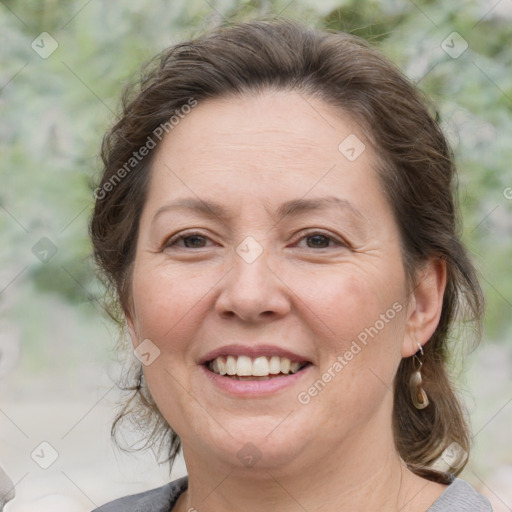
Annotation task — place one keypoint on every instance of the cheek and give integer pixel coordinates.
(360, 319)
(165, 303)
(169, 307)
(347, 302)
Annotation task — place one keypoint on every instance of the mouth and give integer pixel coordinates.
(241, 367)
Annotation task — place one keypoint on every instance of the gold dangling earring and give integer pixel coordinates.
(418, 395)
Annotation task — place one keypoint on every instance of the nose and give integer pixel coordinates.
(252, 291)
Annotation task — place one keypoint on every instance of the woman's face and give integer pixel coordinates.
(266, 237)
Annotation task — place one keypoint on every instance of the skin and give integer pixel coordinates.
(303, 293)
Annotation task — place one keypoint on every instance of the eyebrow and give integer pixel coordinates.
(293, 207)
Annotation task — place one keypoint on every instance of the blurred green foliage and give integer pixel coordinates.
(54, 112)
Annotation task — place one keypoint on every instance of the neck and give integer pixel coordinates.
(363, 473)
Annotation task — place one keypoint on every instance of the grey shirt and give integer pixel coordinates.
(459, 496)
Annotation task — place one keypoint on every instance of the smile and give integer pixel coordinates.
(255, 368)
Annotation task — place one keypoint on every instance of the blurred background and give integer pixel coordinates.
(63, 65)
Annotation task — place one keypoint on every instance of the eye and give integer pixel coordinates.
(190, 241)
(314, 240)
(319, 240)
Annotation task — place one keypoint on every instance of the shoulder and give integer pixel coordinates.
(161, 499)
(459, 496)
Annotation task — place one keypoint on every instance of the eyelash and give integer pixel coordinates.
(303, 234)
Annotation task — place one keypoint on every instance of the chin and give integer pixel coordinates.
(256, 443)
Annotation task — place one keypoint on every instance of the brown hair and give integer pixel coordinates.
(415, 167)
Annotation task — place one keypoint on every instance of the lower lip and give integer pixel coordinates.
(254, 388)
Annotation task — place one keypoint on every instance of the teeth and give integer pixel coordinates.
(275, 365)
(244, 366)
(260, 367)
(221, 366)
(230, 365)
(294, 367)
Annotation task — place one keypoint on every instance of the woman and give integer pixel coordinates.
(276, 219)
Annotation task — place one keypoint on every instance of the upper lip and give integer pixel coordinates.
(252, 351)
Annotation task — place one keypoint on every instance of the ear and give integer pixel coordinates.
(425, 305)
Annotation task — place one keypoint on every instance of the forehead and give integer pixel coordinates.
(277, 144)
(271, 117)
(282, 128)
